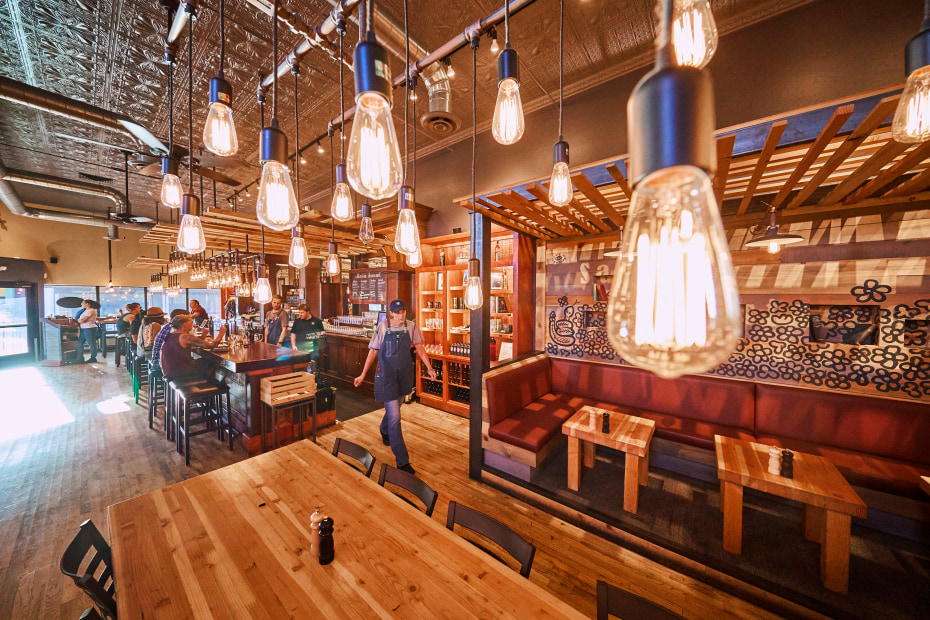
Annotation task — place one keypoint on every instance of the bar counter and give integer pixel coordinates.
(243, 371)
(342, 358)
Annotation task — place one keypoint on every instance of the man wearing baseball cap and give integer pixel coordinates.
(396, 374)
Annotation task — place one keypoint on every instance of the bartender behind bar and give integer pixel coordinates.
(305, 333)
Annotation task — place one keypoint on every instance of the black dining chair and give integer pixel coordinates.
(522, 551)
(411, 483)
(92, 552)
(355, 451)
(613, 601)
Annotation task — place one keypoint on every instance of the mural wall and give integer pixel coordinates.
(881, 302)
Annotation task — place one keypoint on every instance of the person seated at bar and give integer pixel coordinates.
(127, 320)
(151, 326)
(176, 359)
(155, 361)
(198, 313)
(276, 321)
(304, 332)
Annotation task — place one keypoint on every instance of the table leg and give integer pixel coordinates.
(644, 468)
(834, 552)
(732, 517)
(631, 483)
(589, 454)
(814, 523)
(574, 463)
(722, 498)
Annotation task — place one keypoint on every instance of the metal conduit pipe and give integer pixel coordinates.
(179, 23)
(80, 187)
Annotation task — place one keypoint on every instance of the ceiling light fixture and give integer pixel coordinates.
(261, 292)
(373, 164)
(170, 184)
(772, 239)
(674, 306)
(560, 184)
(277, 206)
(450, 70)
(333, 264)
(298, 255)
(341, 208)
(190, 233)
(319, 148)
(366, 232)
(407, 236)
(474, 298)
(694, 33)
(507, 126)
(912, 117)
(414, 259)
(495, 46)
(219, 131)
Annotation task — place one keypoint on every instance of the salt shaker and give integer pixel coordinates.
(775, 460)
(787, 463)
(315, 520)
(327, 545)
(592, 420)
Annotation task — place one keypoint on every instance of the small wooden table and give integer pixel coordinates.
(235, 543)
(829, 501)
(925, 483)
(628, 434)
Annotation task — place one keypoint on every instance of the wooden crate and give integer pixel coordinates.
(282, 389)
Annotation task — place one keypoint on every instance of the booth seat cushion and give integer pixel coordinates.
(872, 426)
(689, 431)
(536, 424)
(521, 384)
(722, 402)
(879, 473)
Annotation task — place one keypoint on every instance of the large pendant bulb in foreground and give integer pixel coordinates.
(373, 162)
(694, 34)
(366, 232)
(298, 256)
(912, 118)
(473, 296)
(407, 236)
(560, 185)
(333, 264)
(415, 259)
(341, 208)
(219, 131)
(190, 234)
(507, 125)
(171, 190)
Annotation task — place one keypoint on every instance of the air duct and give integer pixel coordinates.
(79, 187)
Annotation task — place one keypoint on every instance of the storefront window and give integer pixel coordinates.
(54, 292)
(112, 303)
(210, 299)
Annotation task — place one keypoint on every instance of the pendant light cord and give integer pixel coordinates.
(407, 84)
(296, 71)
(190, 106)
(506, 23)
(342, 106)
(474, 136)
(332, 176)
(171, 108)
(274, 58)
(222, 35)
(664, 52)
(561, 52)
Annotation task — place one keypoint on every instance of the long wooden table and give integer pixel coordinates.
(628, 433)
(829, 501)
(234, 543)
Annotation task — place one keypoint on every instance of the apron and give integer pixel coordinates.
(395, 377)
(274, 329)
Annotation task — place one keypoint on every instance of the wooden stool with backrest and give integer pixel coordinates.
(89, 562)
(360, 454)
(522, 551)
(411, 483)
(200, 403)
(612, 601)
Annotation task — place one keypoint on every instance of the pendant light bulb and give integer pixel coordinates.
(507, 125)
(261, 292)
(190, 233)
(674, 306)
(560, 185)
(333, 264)
(341, 208)
(473, 295)
(298, 256)
(912, 117)
(407, 236)
(171, 190)
(415, 259)
(366, 232)
(774, 248)
(277, 205)
(694, 33)
(219, 131)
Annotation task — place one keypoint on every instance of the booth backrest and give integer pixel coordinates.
(522, 383)
(719, 401)
(890, 428)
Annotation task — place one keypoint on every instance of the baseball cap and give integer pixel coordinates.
(397, 306)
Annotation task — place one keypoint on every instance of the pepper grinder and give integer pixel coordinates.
(775, 460)
(605, 424)
(787, 463)
(327, 545)
(315, 520)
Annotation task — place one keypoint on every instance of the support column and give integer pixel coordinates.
(480, 321)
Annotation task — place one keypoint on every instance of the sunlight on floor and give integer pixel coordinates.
(29, 405)
(117, 404)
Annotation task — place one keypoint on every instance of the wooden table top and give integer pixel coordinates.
(257, 356)
(628, 433)
(234, 543)
(925, 483)
(816, 480)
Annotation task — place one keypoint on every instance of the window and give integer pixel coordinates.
(112, 303)
(210, 299)
(55, 292)
(166, 303)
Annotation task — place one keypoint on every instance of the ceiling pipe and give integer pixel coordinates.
(44, 180)
(181, 15)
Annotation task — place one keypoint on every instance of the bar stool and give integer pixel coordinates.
(156, 393)
(140, 373)
(201, 402)
(122, 348)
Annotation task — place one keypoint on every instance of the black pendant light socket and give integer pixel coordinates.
(474, 268)
(169, 165)
(273, 144)
(508, 65)
(405, 198)
(917, 50)
(220, 91)
(372, 71)
(341, 174)
(190, 205)
(560, 152)
(366, 210)
(297, 232)
(333, 247)
(671, 121)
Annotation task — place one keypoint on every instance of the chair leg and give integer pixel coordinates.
(229, 426)
(187, 433)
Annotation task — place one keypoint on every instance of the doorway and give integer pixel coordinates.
(19, 318)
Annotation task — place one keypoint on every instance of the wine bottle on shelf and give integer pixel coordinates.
(442, 261)
(497, 251)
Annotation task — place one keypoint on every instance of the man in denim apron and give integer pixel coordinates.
(396, 374)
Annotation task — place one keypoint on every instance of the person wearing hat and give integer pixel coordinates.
(152, 323)
(396, 374)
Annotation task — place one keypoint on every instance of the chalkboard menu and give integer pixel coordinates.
(368, 287)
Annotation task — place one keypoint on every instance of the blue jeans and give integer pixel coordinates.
(390, 426)
(88, 335)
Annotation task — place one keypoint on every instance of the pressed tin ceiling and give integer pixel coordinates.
(110, 53)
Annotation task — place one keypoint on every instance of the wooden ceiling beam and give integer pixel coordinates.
(771, 143)
(518, 210)
(543, 195)
(586, 187)
(724, 157)
(543, 219)
(621, 180)
(887, 176)
(496, 215)
(584, 212)
(864, 172)
(870, 123)
(916, 183)
(524, 226)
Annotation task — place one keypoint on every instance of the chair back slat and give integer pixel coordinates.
(91, 547)
(355, 451)
(490, 528)
(613, 601)
(411, 483)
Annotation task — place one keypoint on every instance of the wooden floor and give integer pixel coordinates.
(90, 447)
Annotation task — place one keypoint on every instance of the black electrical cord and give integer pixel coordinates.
(561, 52)
(407, 84)
(506, 23)
(474, 136)
(296, 71)
(222, 35)
(171, 108)
(190, 106)
(332, 178)
(342, 104)
(274, 54)
(664, 52)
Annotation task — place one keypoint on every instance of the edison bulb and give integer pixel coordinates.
(407, 236)
(495, 46)
(560, 185)
(333, 264)
(415, 259)
(912, 117)
(373, 163)
(298, 256)
(341, 208)
(774, 248)
(277, 205)
(674, 305)
(262, 291)
(473, 296)
(694, 33)
(171, 191)
(190, 235)
(507, 126)
(366, 232)
(219, 132)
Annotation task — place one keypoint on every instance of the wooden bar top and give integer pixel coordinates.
(235, 543)
(257, 356)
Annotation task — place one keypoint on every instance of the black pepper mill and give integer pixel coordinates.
(605, 424)
(327, 546)
(787, 464)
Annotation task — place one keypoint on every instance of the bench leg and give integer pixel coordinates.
(834, 552)
(574, 463)
(631, 483)
(814, 523)
(732, 517)
(588, 454)
(644, 468)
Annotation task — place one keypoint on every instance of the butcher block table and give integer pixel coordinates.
(234, 543)
(829, 501)
(628, 434)
(925, 483)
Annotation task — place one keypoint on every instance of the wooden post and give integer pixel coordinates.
(480, 321)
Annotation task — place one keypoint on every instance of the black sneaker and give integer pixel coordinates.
(407, 468)
(92, 360)
(385, 439)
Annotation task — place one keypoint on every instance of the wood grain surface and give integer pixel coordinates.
(235, 543)
(925, 483)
